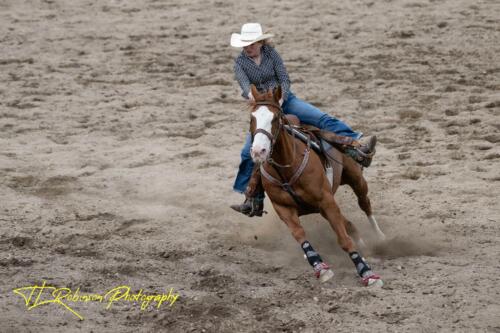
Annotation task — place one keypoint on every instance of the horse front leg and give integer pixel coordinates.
(290, 216)
(331, 212)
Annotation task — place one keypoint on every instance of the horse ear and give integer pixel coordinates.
(254, 91)
(278, 94)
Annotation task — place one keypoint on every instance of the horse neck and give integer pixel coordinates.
(285, 150)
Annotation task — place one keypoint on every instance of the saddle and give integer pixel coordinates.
(320, 141)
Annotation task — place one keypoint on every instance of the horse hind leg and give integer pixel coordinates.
(331, 212)
(337, 177)
(358, 184)
(291, 219)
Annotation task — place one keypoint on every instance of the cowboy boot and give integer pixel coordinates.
(252, 206)
(363, 153)
(254, 196)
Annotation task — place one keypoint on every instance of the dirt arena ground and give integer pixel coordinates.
(120, 132)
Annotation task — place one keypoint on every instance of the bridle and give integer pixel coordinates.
(285, 185)
(274, 137)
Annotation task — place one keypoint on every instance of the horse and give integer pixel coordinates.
(293, 176)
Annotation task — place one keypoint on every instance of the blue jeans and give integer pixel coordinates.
(307, 114)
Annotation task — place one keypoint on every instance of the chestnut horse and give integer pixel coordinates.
(294, 178)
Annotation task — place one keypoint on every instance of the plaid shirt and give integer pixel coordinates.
(269, 74)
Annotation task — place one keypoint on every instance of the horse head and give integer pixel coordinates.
(265, 123)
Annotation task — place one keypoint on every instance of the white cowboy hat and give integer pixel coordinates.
(250, 33)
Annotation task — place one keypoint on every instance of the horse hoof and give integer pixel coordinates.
(372, 281)
(325, 275)
(323, 272)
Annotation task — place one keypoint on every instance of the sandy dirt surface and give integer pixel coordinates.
(120, 132)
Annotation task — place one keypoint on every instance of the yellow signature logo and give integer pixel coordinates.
(35, 296)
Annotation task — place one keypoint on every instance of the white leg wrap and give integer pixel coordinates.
(375, 227)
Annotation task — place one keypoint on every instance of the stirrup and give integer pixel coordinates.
(364, 154)
(368, 150)
(250, 207)
(359, 157)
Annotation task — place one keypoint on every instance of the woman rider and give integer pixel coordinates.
(261, 65)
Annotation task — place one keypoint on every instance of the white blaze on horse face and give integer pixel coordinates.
(261, 143)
